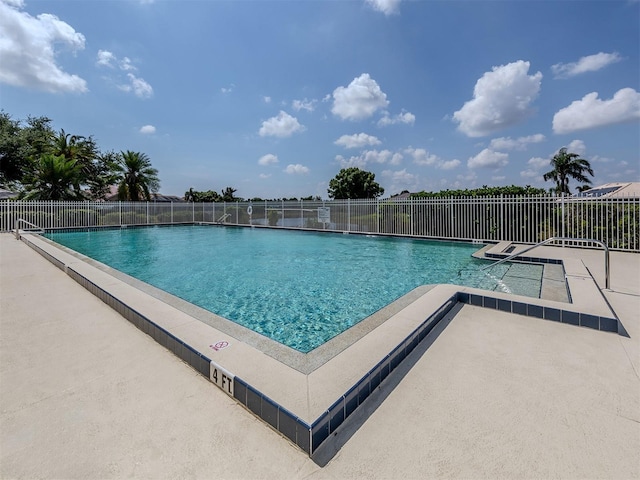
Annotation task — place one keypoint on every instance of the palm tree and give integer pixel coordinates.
(137, 177)
(568, 165)
(228, 195)
(190, 195)
(54, 178)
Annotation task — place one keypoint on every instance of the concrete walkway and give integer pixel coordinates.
(496, 396)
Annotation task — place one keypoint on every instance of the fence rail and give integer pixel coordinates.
(523, 219)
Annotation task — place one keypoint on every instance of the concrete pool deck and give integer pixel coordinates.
(84, 394)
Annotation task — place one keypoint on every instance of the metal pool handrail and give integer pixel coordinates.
(566, 239)
(34, 228)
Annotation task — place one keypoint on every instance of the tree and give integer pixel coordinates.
(354, 183)
(565, 166)
(190, 195)
(228, 195)
(137, 177)
(54, 178)
(21, 146)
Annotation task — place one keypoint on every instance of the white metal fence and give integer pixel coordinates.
(529, 219)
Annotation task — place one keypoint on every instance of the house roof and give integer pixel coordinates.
(612, 190)
(5, 194)
(112, 196)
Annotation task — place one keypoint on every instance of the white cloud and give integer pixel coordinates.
(28, 50)
(591, 112)
(449, 164)
(282, 125)
(538, 162)
(357, 140)
(535, 165)
(138, 86)
(423, 158)
(577, 146)
(530, 173)
(296, 169)
(590, 63)
(228, 89)
(126, 65)
(401, 180)
(264, 175)
(268, 159)
(105, 59)
(360, 100)
(404, 117)
(508, 143)
(370, 156)
(266, 99)
(308, 105)
(487, 158)
(388, 7)
(498, 178)
(501, 98)
(148, 129)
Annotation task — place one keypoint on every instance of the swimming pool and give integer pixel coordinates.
(298, 288)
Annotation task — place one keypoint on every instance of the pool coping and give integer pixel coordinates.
(308, 408)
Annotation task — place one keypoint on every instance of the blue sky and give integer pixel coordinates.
(273, 98)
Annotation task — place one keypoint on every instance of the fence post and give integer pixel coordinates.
(562, 219)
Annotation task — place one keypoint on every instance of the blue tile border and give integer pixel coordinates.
(605, 324)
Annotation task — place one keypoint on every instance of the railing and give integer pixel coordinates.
(34, 228)
(561, 239)
(521, 219)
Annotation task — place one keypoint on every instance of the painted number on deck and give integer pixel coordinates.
(221, 378)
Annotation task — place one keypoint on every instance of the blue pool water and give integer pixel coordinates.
(298, 288)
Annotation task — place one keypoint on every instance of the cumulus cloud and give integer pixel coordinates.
(501, 98)
(487, 158)
(449, 164)
(520, 143)
(401, 180)
(535, 166)
(29, 46)
(308, 105)
(148, 129)
(129, 83)
(590, 63)
(592, 112)
(538, 162)
(268, 159)
(266, 99)
(357, 140)
(388, 7)
(282, 125)
(370, 156)
(423, 158)
(296, 169)
(359, 100)
(529, 173)
(404, 117)
(264, 175)
(577, 146)
(138, 86)
(105, 59)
